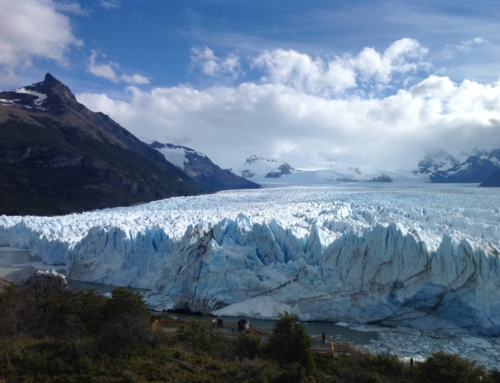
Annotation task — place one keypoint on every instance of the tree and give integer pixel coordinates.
(442, 367)
(126, 323)
(124, 301)
(290, 344)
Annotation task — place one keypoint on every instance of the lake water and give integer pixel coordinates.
(17, 265)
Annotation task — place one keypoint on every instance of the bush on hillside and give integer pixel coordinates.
(192, 336)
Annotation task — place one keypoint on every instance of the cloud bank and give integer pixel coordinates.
(306, 110)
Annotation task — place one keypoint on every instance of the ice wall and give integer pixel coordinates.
(427, 259)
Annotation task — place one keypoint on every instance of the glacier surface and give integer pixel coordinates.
(425, 257)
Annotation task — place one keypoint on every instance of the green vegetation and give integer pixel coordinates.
(50, 334)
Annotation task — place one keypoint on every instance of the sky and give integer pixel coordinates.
(373, 84)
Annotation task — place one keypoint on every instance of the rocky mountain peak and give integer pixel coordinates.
(55, 91)
(42, 96)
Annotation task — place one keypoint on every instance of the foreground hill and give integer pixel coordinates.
(200, 168)
(58, 157)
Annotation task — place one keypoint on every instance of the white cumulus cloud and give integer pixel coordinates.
(318, 75)
(35, 29)
(299, 70)
(108, 71)
(212, 65)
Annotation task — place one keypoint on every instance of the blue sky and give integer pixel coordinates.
(372, 83)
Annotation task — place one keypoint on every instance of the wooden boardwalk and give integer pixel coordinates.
(327, 348)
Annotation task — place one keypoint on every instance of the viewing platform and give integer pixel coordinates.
(229, 330)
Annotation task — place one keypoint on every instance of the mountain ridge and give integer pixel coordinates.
(199, 167)
(59, 157)
(442, 167)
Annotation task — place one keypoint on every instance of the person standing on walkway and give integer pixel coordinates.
(323, 337)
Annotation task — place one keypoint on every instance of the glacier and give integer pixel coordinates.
(425, 257)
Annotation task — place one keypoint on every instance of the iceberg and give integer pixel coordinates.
(422, 257)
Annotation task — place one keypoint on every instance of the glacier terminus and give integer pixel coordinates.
(425, 257)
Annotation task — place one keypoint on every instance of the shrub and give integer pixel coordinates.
(193, 336)
(247, 346)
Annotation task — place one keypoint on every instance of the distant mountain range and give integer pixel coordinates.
(58, 157)
(442, 167)
(436, 167)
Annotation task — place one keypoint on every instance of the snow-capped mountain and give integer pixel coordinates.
(178, 155)
(200, 168)
(265, 171)
(425, 258)
(474, 167)
(259, 167)
(282, 170)
(438, 160)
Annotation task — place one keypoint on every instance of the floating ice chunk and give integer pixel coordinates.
(477, 342)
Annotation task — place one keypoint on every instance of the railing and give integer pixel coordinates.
(336, 349)
(330, 347)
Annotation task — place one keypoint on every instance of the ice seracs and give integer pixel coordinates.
(426, 258)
